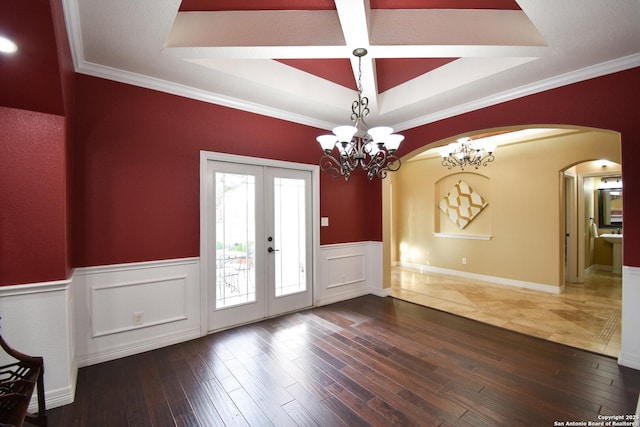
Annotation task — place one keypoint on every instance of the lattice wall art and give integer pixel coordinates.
(462, 204)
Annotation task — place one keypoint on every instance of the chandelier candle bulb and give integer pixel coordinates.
(490, 148)
(393, 142)
(380, 133)
(327, 142)
(345, 133)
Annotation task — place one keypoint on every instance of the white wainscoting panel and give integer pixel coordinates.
(126, 309)
(127, 306)
(349, 270)
(37, 320)
(630, 348)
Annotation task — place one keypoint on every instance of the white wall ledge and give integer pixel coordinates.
(464, 236)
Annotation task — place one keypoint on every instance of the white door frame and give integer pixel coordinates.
(570, 229)
(205, 211)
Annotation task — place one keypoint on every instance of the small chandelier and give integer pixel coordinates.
(374, 150)
(466, 152)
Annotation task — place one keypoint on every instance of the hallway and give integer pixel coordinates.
(585, 316)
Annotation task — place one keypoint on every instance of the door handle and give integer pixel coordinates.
(272, 250)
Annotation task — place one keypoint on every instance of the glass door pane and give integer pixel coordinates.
(290, 236)
(235, 239)
(288, 217)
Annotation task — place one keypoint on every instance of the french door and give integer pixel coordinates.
(259, 242)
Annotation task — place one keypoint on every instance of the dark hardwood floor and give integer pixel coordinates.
(367, 361)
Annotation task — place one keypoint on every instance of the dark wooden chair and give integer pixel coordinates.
(17, 383)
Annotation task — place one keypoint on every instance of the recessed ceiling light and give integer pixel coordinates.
(7, 46)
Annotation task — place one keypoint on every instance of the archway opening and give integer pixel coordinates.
(516, 242)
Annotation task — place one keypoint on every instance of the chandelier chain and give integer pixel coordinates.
(360, 107)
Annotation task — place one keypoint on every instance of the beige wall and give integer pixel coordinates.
(523, 217)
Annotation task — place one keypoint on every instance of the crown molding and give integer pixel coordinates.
(74, 33)
(161, 85)
(598, 70)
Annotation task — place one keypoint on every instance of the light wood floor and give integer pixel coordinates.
(585, 316)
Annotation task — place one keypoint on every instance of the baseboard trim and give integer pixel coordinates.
(353, 294)
(385, 292)
(342, 296)
(481, 277)
(58, 397)
(55, 398)
(629, 360)
(138, 347)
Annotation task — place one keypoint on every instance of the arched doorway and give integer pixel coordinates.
(526, 245)
(585, 183)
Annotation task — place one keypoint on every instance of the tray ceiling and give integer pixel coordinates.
(428, 59)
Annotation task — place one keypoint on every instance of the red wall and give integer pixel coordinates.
(136, 172)
(137, 185)
(30, 78)
(35, 224)
(354, 209)
(33, 233)
(608, 102)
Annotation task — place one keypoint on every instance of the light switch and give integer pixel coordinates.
(324, 221)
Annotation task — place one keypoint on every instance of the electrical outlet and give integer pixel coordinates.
(464, 260)
(138, 318)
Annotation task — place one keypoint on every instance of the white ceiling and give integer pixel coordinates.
(227, 57)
